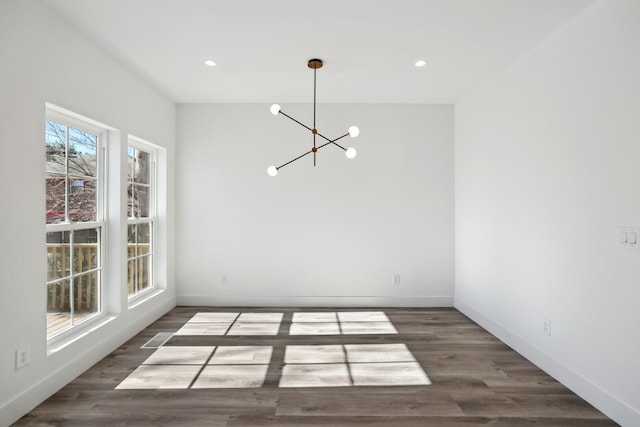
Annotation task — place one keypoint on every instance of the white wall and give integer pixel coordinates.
(547, 158)
(42, 59)
(330, 235)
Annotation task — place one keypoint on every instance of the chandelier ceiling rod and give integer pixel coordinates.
(353, 130)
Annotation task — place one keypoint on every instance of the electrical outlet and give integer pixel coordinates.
(23, 357)
(224, 280)
(546, 327)
(395, 279)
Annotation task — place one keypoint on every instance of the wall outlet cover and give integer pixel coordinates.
(23, 357)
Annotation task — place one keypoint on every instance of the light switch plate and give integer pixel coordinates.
(622, 237)
(629, 237)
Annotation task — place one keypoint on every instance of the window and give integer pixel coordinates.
(141, 216)
(74, 179)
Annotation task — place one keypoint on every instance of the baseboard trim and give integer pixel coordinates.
(612, 406)
(315, 301)
(13, 409)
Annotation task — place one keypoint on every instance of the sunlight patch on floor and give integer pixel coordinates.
(182, 367)
(351, 364)
(239, 324)
(341, 323)
(246, 366)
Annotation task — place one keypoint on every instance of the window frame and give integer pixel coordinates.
(152, 219)
(75, 121)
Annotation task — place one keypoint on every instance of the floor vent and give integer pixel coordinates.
(158, 340)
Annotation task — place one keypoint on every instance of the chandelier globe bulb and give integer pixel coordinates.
(351, 153)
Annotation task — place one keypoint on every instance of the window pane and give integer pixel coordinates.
(131, 276)
(58, 255)
(142, 170)
(83, 165)
(131, 160)
(56, 160)
(85, 294)
(131, 238)
(55, 170)
(56, 134)
(55, 188)
(130, 201)
(58, 307)
(85, 250)
(82, 199)
(55, 143)
(144, 239)
(82, 153)
(144, 273)
(144, 233)
(141, 201)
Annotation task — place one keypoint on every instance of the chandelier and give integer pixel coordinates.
(353, 131)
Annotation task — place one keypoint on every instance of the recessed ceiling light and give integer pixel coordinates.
(421, 63)
(210, 63)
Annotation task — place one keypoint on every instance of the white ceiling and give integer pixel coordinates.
(369, 47)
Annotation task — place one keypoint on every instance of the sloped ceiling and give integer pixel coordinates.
(369, 47)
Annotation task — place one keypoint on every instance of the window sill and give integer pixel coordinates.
(67, 338)
(144, 296)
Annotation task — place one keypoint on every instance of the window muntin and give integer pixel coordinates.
(141, 217)
(74, 221)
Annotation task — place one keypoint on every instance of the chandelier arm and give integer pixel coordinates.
(327, 143)
(289, 117)
(333, 141)
(299, 157)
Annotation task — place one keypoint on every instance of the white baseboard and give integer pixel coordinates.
(319, 301)
(615, 408)
(13, 409)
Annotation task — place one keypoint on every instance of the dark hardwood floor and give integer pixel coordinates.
(475, 380)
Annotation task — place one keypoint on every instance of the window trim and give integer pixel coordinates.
(152, 219)
(76, 121)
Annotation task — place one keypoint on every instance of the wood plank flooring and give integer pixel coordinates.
(475, 380)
